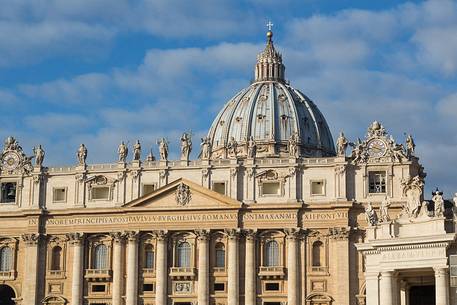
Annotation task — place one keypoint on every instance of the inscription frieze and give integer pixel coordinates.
(319, 216)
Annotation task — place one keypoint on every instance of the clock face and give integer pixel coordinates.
(10, 161)
(376, 148)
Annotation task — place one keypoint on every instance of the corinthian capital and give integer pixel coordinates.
(250, 234)
(292, 233)
(75, 238)
(233, 233)
(117, 236)
(132, 235)
(160, 234)
(203, 235)
(31, 239)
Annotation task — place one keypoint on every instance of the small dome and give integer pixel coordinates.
(271, 112)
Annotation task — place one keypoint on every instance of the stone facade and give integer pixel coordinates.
(245, 225)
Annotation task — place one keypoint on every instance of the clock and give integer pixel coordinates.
(10, 161)
(376, 148)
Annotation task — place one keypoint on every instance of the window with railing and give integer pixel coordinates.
(56, 258)
(271, 254)
(6, 259)
(149, 257)
(183, 255)
(220, 255)
(100, 257)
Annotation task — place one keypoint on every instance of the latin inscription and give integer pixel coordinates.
(325, 216)
(270, 216)
(412, 254)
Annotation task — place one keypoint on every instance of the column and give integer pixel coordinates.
(29, 286)
(250, 289)
(385, 288)
(161, 268)
(203, 267)
(292, 267)
(118, 238)
(132, 269)
(441, 286)
(233, 268)
(372, 288)
(77, 241)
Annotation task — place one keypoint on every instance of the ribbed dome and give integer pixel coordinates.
(271, 112)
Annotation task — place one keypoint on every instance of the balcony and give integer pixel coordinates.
(149, 272)
(183, 272)
(98, 274)
(55, 274)
(7, 275)
(272, 272)
(319, 269)
(219, 271)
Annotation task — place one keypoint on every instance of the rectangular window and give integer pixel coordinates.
(377, 182)
(100, 193)
(317, 187)
(59, 194)
(98, 288)
(8, 192)
(271, 286)
(219, 287)
(148, 188)
(148, 287)
(271, 188)
(219, 187)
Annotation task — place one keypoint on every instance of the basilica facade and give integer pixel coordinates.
(272, 212)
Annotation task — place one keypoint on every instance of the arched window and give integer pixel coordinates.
(183, 254)
(149, 257)
(56, 257)
(271, 253)
(6, 259)
(220, 255)
(101, 257)
(317, 253)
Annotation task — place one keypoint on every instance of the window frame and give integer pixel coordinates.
(16, 195)
(375, 173)
(93, 188)
(10, 266)
(220, 182)
(54, 200)
(324, 187)
(153, 184)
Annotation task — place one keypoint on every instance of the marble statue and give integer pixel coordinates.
(410, 146)
(123, 152)
(39, 155)
(163, 149)
(82, 154)
(341, 145)
(438, 202)
(252, 148)
(358, 151)
(232, 147)
(11, 144)
(384, 209)
(370, 214)
(205, 148)
(186, 146)
(293, 145)
(137, 151)
(455, 199)
(412, 189)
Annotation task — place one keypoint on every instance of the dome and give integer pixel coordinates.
(271, 113)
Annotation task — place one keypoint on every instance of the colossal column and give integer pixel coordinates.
(77, 240)
(118, 238)
(385, 288)
(292, 267)
(161, 268)
(233, 268)
(203, 259)
(441, 286)
(132, 269)
(372, 288)
(29, 285)
(250, 290)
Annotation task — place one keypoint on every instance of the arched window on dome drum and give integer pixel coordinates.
(220, 255)
(149, 257)
(6, 259)
(318, 251)
(271, 253)
(101, 257)
(56, 258)
(183, 254)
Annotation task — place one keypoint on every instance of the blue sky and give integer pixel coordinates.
(98, 72)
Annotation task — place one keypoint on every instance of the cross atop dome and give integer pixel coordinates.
(269, 25)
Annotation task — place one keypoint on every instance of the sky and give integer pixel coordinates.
(100, 71)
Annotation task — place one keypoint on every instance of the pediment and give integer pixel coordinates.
(183, 194)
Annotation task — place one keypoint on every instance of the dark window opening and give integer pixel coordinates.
(272, 286)
(219, 286)
(9, 192)
(98, 288)
(148, 287)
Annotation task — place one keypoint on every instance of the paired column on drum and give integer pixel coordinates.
(203, 267)
(292, 266)
(29, 286)
(131, 294)
(233, 267)
(441, 286)
(250, 290)
(161, 268)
